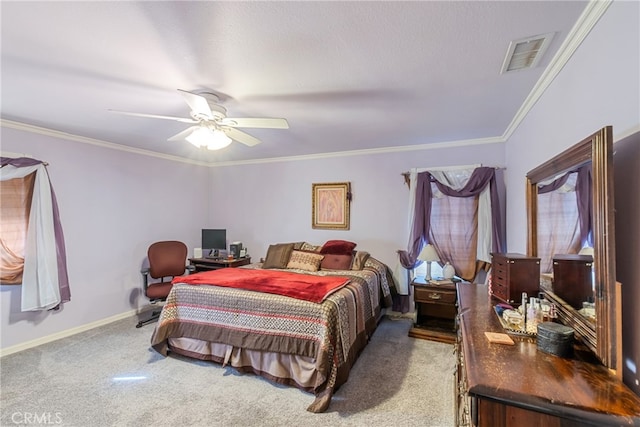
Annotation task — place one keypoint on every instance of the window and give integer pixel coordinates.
(33, 251)
(15, 205)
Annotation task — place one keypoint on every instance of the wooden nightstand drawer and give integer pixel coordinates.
(435, 295)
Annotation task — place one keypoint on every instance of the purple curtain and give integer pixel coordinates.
(553, 186)
(584, 196)
(419, 237)
(422, 216)
(63, 277)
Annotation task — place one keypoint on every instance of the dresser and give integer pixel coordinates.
(512, 274)
(501, 385)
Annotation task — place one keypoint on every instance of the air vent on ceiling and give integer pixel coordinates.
(525, 53)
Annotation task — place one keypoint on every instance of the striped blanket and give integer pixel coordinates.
(332, 333)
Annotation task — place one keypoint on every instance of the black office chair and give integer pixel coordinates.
(166, 260)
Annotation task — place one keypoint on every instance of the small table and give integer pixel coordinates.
(436, 310)
(206, 264)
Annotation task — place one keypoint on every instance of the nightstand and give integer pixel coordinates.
(436, 310)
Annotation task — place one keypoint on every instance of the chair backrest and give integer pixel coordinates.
(167, 259)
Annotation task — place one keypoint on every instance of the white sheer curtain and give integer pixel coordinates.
(558, 223)
(40, 286)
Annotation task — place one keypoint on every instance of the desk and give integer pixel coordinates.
(206, 264)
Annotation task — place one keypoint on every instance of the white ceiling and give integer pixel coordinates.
(346, 75)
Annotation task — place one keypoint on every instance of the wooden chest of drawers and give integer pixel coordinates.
(512, 274)
(572, 279)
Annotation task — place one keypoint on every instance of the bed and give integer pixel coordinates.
(307, 342)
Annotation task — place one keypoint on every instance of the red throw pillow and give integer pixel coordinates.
(338, 247)
(336, 262)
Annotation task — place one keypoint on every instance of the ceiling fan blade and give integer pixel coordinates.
(184, 134)
(241, 137)
(155, 116)
(199, 105)
(246, 122)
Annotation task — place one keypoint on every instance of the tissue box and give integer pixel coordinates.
(555, 338)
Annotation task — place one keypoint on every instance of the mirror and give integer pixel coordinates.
(601, 336)
(564, 239)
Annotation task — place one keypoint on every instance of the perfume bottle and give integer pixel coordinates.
(532, 316)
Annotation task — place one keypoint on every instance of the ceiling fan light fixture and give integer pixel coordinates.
(218, 140)
(213, 139)
(200, 136)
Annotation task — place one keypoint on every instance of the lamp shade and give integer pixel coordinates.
(428, 253)
(587, 250)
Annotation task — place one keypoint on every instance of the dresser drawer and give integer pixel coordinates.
(442, 296)
(499, 290)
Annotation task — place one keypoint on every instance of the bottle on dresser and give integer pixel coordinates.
(532, 315)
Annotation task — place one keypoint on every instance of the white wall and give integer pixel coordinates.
(599, 86)
(113, 204)
(270, 203)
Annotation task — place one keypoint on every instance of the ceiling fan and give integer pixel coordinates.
(212, 128)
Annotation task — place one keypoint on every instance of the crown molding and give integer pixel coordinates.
(368, 151)
(68, 136)
(91, 141)
(585, 23)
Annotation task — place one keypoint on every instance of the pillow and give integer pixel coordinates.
(298, 246)
(307, 261)
(336, 262)
(309, 247)
(278, 255)
(359, 259)
(338, 247)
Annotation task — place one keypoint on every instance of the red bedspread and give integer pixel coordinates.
(294, 285)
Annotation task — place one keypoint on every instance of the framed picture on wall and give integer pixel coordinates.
(330, 205)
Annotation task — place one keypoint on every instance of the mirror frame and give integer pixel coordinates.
(603, 338)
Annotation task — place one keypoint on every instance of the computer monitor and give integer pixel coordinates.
(213, 240)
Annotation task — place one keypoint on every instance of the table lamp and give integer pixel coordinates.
(428, 254)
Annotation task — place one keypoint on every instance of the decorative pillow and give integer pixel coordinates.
(336, 262)
(359, 259)
(298, 246)
(338, 247)
(310, 248)
(305, 261)
(278, 255)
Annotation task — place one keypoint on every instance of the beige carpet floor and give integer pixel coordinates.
(110, 376)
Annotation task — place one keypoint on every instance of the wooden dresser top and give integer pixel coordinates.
(522, 376)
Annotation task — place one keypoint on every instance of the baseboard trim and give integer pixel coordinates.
(67, 333)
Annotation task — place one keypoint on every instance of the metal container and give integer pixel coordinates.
(555, 338)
